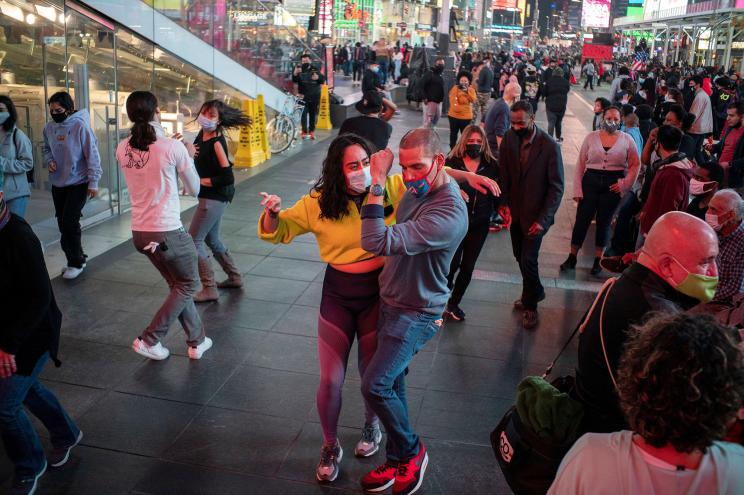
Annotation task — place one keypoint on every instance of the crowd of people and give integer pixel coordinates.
(660, 379)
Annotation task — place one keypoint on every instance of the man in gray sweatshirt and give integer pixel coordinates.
(431, 221)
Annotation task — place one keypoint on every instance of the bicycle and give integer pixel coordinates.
(282, 129)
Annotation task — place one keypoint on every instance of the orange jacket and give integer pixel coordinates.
(461, 103)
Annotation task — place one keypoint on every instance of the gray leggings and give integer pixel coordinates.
(205, 227)
(175, 259)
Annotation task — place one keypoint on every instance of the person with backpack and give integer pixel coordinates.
(216, 191)
(16, 159)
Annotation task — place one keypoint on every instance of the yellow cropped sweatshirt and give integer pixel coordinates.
(339, 241)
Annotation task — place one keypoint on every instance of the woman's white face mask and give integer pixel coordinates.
(359, 180)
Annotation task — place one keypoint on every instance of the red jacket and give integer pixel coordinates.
(670, 190)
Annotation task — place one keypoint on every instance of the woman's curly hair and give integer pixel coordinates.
(330, 188)
(681, 381)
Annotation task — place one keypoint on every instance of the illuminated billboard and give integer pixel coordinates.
(503, 4)
(596, 13)
(656, 9)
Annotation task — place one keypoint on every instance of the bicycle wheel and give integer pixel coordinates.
(281, 132)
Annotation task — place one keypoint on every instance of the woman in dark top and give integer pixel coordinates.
(471, 154)
(217, 189)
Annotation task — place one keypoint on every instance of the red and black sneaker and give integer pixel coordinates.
(381, 478)
(411, 473)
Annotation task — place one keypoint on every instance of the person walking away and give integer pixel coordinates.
(531, 180)
(215, 192)
(152, 164)
(309, 81)
(556, 100)
(359, 60)
(702, 109)
(498, 119)
(16, 158)
(460, 114)
(484, 88)
(29, 337)
(531, 87)
(432, 86)
(607, 169)
(71, 154)
(430, 223)
(472, 154)
(588, 71)
(369, 124)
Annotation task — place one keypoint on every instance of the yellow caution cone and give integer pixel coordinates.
(261, 127)
(324, 114)
(249, 153)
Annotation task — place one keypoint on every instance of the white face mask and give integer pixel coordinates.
(697, 187)
(669, 98)
(206, 123)
(359, 180)
(712, 220)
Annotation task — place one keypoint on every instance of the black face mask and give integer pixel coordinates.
(523, 132)
(305, 67)
(59, 117)
(473, 150)
(438, 69)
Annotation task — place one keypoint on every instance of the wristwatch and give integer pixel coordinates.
(376, 190)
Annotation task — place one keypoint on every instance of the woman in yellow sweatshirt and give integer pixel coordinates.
(461, 99)
(350, 300)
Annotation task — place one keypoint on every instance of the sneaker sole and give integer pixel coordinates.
(36, 480)
(421, 476)
(335, 475)
(150, 356)
(202, 352)
(362, 455)
(381, 488)
(453, 316)
(67, 455)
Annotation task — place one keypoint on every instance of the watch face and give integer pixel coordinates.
(376, 190)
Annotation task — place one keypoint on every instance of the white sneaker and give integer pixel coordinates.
(198, 351)
(72, 273)
(156, 352)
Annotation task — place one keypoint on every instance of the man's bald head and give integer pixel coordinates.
(680, 237)
(512, 91)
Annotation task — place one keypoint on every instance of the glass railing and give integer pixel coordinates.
(261, 35)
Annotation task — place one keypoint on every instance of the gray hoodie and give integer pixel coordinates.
(72, 145)
(16, 158)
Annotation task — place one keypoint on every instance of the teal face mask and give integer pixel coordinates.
(420, 187)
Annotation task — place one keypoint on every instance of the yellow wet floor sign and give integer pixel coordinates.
(250, 146)
(324, 114)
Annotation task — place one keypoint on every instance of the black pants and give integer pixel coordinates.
(598, 200)
(589, 82)
(456, 127)
(358, 71)
(310, 115)
(68, 207)
(555, 123)
(626, 228)
(699, 140)
(526, 250)
(464, 260)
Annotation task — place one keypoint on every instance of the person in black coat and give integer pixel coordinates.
(372, 81)
(472, 153)
(29, 336)
(556, 99)
(309, 80)
(531, 180)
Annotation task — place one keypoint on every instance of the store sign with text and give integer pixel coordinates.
(596, 13)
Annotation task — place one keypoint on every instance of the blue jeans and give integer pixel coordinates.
(20, 440)
(400, 335)
(384, 67)
(18, 205)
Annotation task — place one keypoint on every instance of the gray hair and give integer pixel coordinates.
(423, 137)
(732, 201)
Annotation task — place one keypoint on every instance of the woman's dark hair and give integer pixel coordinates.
(63, 99)
(229, 117)
(681, 381)
(688, 121)
(644, 112)
(464, 73)
(13, 117)
(715, 170)
(141, 106)
(626, 110)
(330, 187)
(603, 102)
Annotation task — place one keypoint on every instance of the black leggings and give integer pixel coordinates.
(598, 200)
(310, 115)
(456, 127)
(463, 263)
(68, 208)
(358, 71)
(349, 308)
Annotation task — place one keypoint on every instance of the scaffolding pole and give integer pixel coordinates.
(729, 42)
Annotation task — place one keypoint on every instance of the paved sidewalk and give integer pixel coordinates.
(243, 419)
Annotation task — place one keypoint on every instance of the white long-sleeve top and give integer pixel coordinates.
(152, 180)
(703, 111)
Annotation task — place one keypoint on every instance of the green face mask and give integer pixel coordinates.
(701, 287)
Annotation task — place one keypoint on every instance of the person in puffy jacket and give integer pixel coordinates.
(70, 152)
(556, 99)
(16, 159)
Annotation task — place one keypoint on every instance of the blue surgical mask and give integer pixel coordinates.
(420, 187)
(3, 117)
(206, 123)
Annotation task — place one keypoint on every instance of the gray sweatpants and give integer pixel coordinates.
(205, 227)
(175, 259)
